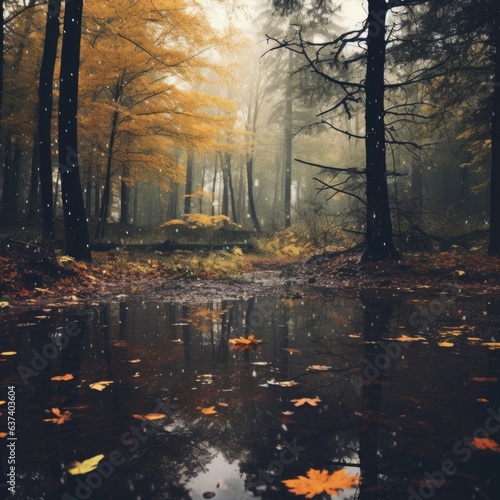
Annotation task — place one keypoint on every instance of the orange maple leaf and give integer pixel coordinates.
(486, 444)
(318, 482)
(209, 411)
(303, 401)
(60, 418)
(243, 343)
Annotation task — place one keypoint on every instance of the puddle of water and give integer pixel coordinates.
(397, 406)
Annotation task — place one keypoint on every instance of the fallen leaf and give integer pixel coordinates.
(243, 343)
(60, 418)
(68, 376)
(292, 350)
(284, 383)
(482, 400)
(222, 404)
(150, 416)
(4, 304)
(8, 353)
(318, 482)
(134, 361)
(491, 345)
(486, 444)
(100, 386)
(445, 344)
(406, 338)
(303, 401)
(484, 379)
(287, 413)
(75, 468)
(319, 367)
(209, 411)
(2, 402)
(3, 435)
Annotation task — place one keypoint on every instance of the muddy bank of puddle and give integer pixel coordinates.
(392, 390)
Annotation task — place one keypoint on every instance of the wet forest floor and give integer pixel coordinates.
(30, 276)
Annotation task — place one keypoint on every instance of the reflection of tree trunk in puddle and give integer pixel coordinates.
(377, 317)
(70, 361)
(186, 338)
(226, 321)
(122, 322)
(284, 356)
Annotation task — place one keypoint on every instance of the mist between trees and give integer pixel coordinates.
(272, 114)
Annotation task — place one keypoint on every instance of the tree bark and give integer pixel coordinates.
(494, 240)
(288, 143)
(189, 182)
(45, 103)
(124, 198)
(76, 235)
(379, 244)
(251, 202)
(106, 194)
(33, 199)
(231, 188)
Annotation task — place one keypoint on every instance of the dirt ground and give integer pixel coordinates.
(30, 279)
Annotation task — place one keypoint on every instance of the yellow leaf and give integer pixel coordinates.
(8, 353)
(209, 411)
(100, 386)
(445, 344)
(492, 345)
(4, 304)
(486, 444)
(406, 338)
(309, 401)
(75, 468)
(222, 404)
(318, 482)
(68, 376)
(243, 343)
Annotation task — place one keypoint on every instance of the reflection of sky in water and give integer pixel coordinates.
(222, 478)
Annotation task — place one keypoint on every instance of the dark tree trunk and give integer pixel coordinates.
(97, 198)
(10, 191)
(124, 197)
(88, 192)
(10, 188)
(6, 181)
(231, 189)
(214, 185)
(76, 235)
(189, 182)
(45, 101)
(106, 194)
(136, 202)
(288, 143)
(379, 244)
(494, 241)
(2, 43)
(251, 202)
(33, 200)
(225, 186)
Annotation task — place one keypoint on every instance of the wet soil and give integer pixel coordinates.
(29, 279)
